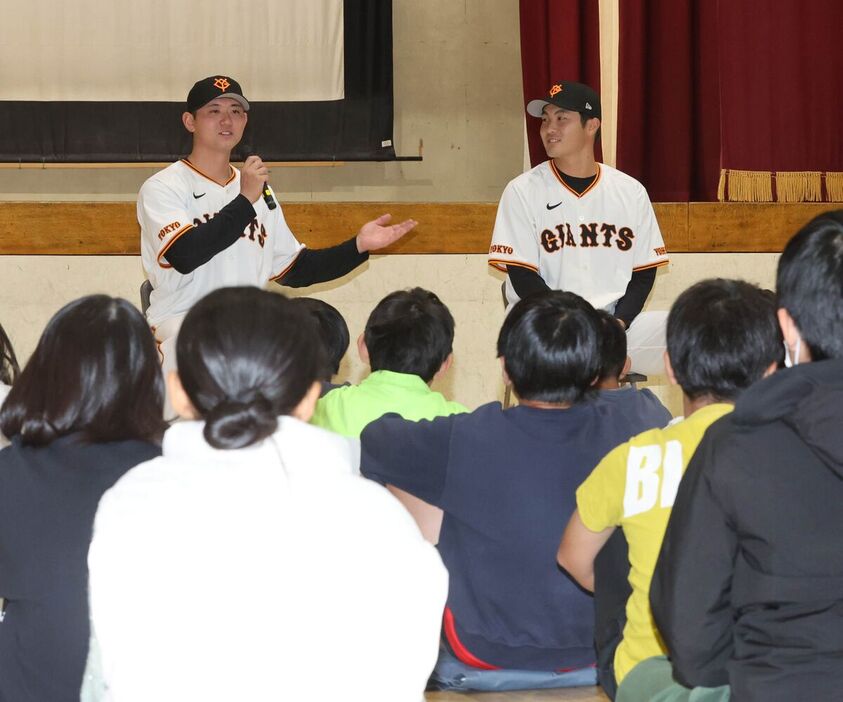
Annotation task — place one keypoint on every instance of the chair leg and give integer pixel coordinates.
(507, 397)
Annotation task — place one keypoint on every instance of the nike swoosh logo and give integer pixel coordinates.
(198, 196)
(550, 207)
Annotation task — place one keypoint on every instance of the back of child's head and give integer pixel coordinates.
(8, 361)
(333, 332)
(613, 348)
(550, 343)
(722, 336)
(95, 372)
(245, 357)
(809, 284)
(409, 331)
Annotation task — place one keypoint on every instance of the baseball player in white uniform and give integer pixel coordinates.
(574, 224)
(206, 225)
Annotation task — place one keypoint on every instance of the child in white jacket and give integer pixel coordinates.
(251, 561)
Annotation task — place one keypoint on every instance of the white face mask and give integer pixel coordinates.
(788, 361)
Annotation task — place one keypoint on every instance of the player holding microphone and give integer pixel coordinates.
(206, 225)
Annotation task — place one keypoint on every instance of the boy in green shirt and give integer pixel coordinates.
(407, 342)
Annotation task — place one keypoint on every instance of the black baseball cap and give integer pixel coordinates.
(212, 87)
(568, 95)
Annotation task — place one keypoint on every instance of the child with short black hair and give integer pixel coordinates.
(611, 564)
(333, 332)
(721, 337)
(408, 341)
(614, 365)
(505, 479)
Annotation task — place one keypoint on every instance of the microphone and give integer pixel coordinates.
(267, 191)
(267, 197)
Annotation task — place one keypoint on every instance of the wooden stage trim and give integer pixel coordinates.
(109, 228)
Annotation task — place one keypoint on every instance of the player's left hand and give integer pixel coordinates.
(379, 233)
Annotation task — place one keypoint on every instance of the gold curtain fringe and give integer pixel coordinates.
(791, 186)
(721, 186)
(750, 186)
(834, 186)
(799, 186)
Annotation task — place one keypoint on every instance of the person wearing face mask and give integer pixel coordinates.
(748, 589)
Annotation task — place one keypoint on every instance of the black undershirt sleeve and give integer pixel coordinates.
(202, 242)
(632, 302)
(525, 282)
(321, 265)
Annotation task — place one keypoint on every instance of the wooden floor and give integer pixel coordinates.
(580, 694)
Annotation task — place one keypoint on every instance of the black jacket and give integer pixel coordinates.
(748, 589)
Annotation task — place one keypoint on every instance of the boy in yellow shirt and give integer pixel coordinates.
(722, 336)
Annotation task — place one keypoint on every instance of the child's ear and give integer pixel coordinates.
(446, 364)
(506, 379)
(362, 349)
(668, 369)
(178, 397)
(627, 366)
(304, 410)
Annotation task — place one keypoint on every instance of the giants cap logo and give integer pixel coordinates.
(555, 89)
(222, 84)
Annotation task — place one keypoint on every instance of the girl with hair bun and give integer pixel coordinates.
(251, 561)
(85, 409)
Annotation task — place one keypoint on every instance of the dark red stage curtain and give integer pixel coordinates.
(668, 104)
(560, 40)
(781, 73)
(744, 94)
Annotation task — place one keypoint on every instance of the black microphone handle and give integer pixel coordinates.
(267, 197)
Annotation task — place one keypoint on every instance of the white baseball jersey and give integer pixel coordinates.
(180, 197)
(588, 244)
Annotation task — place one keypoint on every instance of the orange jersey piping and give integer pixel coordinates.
(501, 265)
(172, 241)
(657, 264)
(558, 175)
(287, 269)
(206, 176)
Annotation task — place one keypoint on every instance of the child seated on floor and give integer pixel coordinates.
(333, 333)
(505, 479)
(611, 565)
(408, 342)
(614, 365)
(721, 337)
(249, 562)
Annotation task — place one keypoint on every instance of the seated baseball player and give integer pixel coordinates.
(407, 343)
(333, 333)
(505, 479)
(721, 337)
(748, 589)
(206, 224)
(574, 224)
